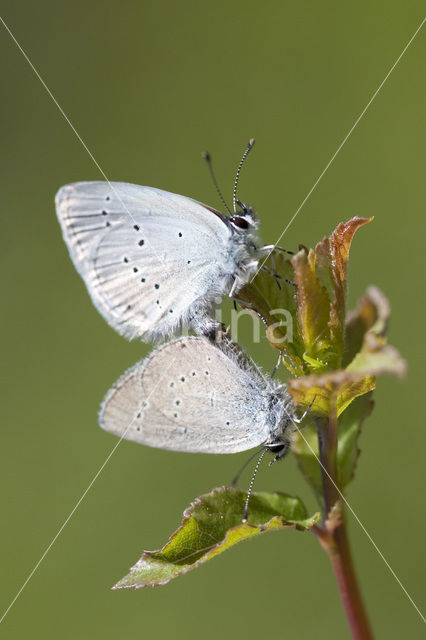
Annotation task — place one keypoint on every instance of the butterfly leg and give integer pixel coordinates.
(247, 305)
(277, 277)
(234, 286)
(269, 248)
(308, 424)
(275, 369)
(274, 247)
(305, 413)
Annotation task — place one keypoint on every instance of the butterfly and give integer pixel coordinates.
(199, 396)
(155, 261)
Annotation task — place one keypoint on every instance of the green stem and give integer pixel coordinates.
(327, 436)
(334, 538)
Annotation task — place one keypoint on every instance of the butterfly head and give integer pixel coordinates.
(244, 220)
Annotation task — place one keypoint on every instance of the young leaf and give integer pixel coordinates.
(371, 314)
(350, 425)
(305, 448)
(310, 332)
(350, 388)
(212, 524)
(321, 279)
(313, 310)
(343, 385)
(339, 246)
(273, 298)
(373, 357)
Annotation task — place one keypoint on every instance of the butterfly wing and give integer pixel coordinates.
(188, 395)
(146, 255)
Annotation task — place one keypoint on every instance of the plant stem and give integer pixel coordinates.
(341, 559)
(334, 538)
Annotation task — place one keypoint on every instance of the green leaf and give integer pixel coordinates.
(313, 310)
(372, 314)
(349, 430)
(274, 300)
(339, 247)
(349, 388)
(320, 392)
(306, 322)
(376, 357)
(212, 524)
(321, 279)
(344, 385)
(305, 446)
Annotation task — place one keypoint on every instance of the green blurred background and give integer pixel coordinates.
(149, 85)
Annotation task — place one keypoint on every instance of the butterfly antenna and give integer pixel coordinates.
(245, 154)
(250, 489)
(238, 476)
(208, 159)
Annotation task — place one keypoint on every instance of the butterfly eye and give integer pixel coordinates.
(240, 222)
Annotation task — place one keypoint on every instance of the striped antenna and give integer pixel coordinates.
(245, 154)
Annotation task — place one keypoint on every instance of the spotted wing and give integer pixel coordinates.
(188, 395)
(145, 255)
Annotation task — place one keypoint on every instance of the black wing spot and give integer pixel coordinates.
(180, 234)
(193, 373)
(108, 224)
(175, 415)
(170, 310)
(135, 269)
(126, 259)
(172, 384)
(227, 423)
(129, 306)
(138, 428)
(158, 302)
(107, 198)
(143, 280)
(157, 286)
(139, 415)
(136, 227)
(141, 243)
(182, 379)
(189, 262)
(177, 402)
(206, 372)
(104, 213)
